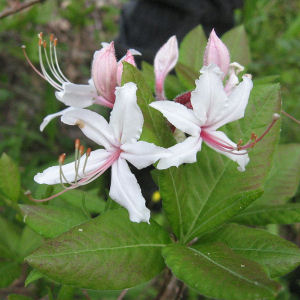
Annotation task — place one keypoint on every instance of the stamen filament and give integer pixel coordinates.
(56, 62)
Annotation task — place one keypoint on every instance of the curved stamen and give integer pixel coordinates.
(48, 78)
(56, 61)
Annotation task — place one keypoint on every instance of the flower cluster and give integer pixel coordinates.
(219, 98)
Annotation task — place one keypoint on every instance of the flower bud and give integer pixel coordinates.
(216, 53)
(104, 70)
(164, 61)
(128, 58)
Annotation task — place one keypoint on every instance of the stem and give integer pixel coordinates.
(122, 295)
(18, 7)
(291, 117)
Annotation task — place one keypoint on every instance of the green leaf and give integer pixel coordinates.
(191, 57)
(284, 178)
(277, 255)
(33, 276)
(148, 74)
(66, 292)
(265, 214)
(93, 201)
(9, 178)
(9, 271)
(216, 271)
(155, 129)
(173, 87)
(29, 241)
(51, 221)
(201, 196)
(9, 239)
(237, 42)
(109, 252)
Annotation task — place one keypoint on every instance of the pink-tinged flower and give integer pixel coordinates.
(212, 108)
(119, 138)
(106, 75)
(164, 61)
(216, 53)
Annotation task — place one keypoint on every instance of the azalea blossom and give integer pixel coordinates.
(106, 75)
(217, 53)
(164, 61)
(119, 138)
(211, 109)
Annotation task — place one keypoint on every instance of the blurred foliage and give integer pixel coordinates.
(273, 28)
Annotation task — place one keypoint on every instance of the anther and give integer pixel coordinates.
(55, 42)
(51, 37)
(81, 150)
(239, 144)
(45, 44)
(80, 124)
(88, 152)
(40, 35)
(61, 158)
(87, 155)
(77, 144)
(40, 42)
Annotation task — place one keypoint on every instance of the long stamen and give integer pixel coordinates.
(291, 117)
(48, 78)
(31, 64)
(56, 61)
(88, 152)
(77, 158)
(62, 176)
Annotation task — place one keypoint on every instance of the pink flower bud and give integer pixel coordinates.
(164, 61)
(128, 58)
(216, 53)
(104, 72)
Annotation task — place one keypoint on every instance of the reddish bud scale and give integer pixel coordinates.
(184, 99)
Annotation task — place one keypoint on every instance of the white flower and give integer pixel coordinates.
(212, 108)
(106, 75)
(119, 137)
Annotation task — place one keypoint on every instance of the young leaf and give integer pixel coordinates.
(51, 221)
(199, 197)
(260, 215)
(237, 42)
(9, 178)
(216, 271)
(277, 255)
(191, 56)
(109, 252)
(18, 297)
(33, 276)
(156, 129)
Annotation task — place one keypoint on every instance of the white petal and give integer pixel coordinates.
(77, 95)
(236, 156)
(48, 118)
(185, 152)
(142, 154)
(126, 118)
(238, 100)
(126, 191)
(209, 98)
(179, 115)
(52, 175)
(94, 126)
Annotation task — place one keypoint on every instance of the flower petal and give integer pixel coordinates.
(185, 152)
(126, 118)
(77, 95)
(238, 100)
(48, 118)
(209, 98)
(104, 71)
(235, 155)
(126, 191)
(52, 175)
(179, 115)
(142, 154)
(94, 126)
(216, 53)
(164, 61)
